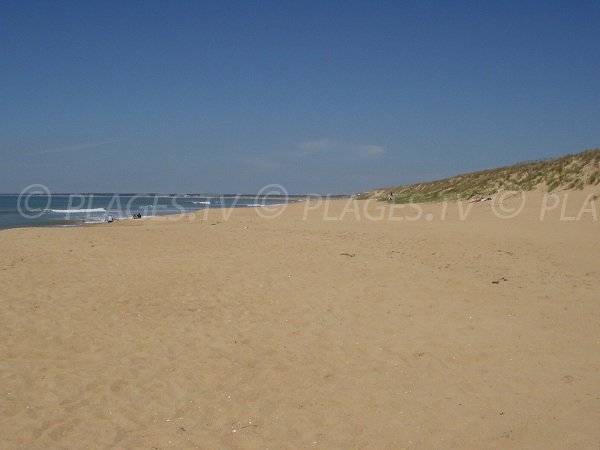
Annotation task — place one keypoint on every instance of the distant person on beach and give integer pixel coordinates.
(110, 219)
(391, 197)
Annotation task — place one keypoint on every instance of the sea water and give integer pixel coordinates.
(77, 209)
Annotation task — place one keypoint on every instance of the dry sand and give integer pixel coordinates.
(306, 332)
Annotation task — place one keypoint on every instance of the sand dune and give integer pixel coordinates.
(325, 327)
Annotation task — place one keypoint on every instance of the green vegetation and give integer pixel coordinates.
(567, 172)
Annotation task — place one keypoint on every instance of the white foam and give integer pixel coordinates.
(94, 220)
(72, 211)
(201, 203)
(263, 205)
(91, 220)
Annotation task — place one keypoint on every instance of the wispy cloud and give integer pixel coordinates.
(75, 148)
(274, 161)
(309, 148)
(318, 144)
(370, 151)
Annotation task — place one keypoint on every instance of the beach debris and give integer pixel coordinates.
(479, 198)
(351, 255)
(499, 280)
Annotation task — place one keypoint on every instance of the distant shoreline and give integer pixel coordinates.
(75, 209)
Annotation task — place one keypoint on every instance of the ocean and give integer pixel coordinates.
(60, 210)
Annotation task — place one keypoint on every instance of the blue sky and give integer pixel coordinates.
(323, 97)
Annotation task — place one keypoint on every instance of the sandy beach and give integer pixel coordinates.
(342, 324)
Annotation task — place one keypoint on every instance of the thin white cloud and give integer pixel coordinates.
(75, 148)
(371, 151)
(318, 144)
(276, 160)
(334, 145)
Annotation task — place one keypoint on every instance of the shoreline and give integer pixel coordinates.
(547, 204)
(85, 221)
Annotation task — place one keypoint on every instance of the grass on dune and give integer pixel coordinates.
(567, 172)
